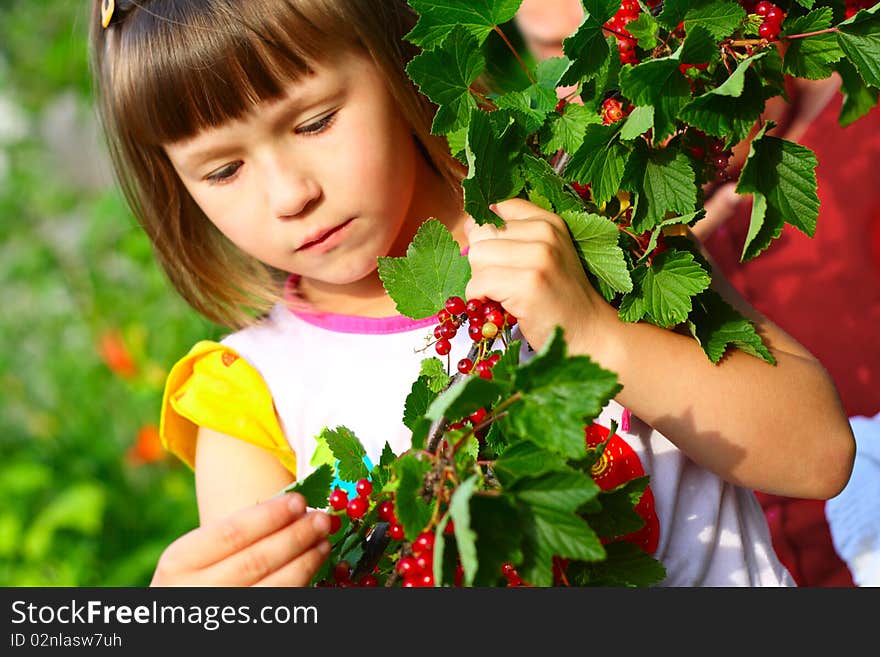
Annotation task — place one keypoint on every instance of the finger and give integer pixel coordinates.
(261, 559)
(218, 540)
(518, 254)
(301, 570)
(516, 209)
(526, 230)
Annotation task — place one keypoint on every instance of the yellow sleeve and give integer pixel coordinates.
(213, 387)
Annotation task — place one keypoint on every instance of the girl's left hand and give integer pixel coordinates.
(531, 268)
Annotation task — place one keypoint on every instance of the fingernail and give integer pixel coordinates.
(493, 207)
(321, 522)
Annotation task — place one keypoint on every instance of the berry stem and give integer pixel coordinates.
(515, 54)
(809, 34)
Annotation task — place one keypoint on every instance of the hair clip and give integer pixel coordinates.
(107, 7)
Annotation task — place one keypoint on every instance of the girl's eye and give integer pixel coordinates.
(318, 126)
(223, 174)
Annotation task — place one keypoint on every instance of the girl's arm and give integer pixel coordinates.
(247, 537)
(779, 429)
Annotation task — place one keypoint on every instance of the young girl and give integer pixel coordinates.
(272, 151)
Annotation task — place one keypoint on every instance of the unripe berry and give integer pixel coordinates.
(489, 330)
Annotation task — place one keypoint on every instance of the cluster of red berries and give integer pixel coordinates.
(342, 578)
(355, 509)
(612, 111)
(715, 157)
(485, 319)
(626, 42)
(773, 17)
(417, 569)
(510, 574)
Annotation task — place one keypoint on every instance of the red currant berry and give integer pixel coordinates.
(483, 370)
(342, 571)
(493, 359)
(477, 416)
(424, 543)
(475, 332)
(407, 567)
(369, 581)
(465, 365)
(509, 319)
(357, 508)
(426, 580)
(338, 499)
(474, 307)
(768, 31)
(774, 16)
(442, 346)
(395, 531)
(496, 317)
(507, 569)
(363, 487)
(449, 528)
(386, 511)
(335, 523)
(443, 316)
(409, 582)
(438, 331)
(762, 8)
(455, 305)
(448, 330)
(425, 562)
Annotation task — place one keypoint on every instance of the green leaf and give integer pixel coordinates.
(716, 325)
(720, 19)
(674, 11)
(411, 509)
(659, 83)
(617, 516)
(599, 161)
(526, 459)
(563, 491)
(543, 180)
(492, 518)
(859, 37)
(625, 564)
(644, 29)
(445, 76)
(437, 18)
(79, 507)
(640, 120)
(494, 149)
(596, 240)
(587, 48)
(464, 397)
(689, 219)
(432, 271)
(726, 116)
(315, 488)
(560, 394)
(548, 533)
(699, 46)
(667, 186)
(465, 537)
(782, 176)
(663, 290)
(858, 98)
(348, 450)
(811, 57)
(417, 402)
(435, 371)
(566, 131)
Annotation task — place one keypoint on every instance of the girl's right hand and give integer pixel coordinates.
(274, 543)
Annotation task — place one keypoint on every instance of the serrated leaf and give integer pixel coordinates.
(435, 371)
(548, 533)
(411, 510)
(674, 11)
(465, 396)
(783, 173)
(858, 98)
(566, 131)
(859, 37)
(664, 290)
(720, 19)
(644, 29)
(563, 491)
(445, 75)
(667, 185)
(625, 564)
(438, 17)
(494, 150)
(348, 451)
(617, 515)
(716, 325)
(465, 537)
(699, 46)
(432, 271)
(534, 104)
(688, 219)
(549, 72)
(315, 487)
(811, 57)
(659, 83)
(417, 402)
(493, 518)
(599, 162)
(587, 48)
(388, 456)
(526, 459)
(542, 179)
(725, 116)
(596, 240)
(560, 394)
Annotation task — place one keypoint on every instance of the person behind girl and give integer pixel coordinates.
(272, 152)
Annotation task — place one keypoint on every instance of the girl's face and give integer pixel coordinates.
(319, 183)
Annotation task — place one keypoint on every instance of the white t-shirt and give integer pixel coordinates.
(711, 533)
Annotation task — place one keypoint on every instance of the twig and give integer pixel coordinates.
(515, 54)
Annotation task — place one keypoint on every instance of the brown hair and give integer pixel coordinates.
(165, 69)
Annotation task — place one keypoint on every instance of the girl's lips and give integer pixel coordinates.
(326, 240)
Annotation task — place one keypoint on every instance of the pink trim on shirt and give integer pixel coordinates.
(348, 323)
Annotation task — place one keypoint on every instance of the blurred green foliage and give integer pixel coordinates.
(80, 508)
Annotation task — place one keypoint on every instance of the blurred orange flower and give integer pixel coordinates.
(147, 447)
(116, 355)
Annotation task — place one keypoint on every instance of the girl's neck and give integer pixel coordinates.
(367, 297)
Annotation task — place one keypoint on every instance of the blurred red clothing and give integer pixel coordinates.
(825, 292)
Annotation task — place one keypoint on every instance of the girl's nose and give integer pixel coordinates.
(292, 191)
